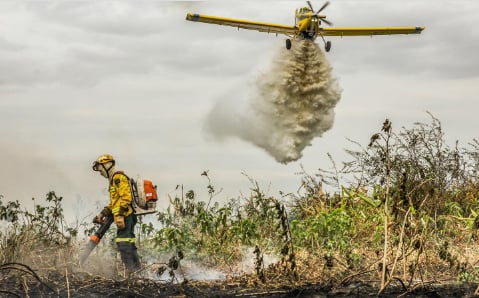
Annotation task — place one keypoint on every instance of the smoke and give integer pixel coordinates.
(29, 172)
(196, 271)
(292, 104)
(193, 269)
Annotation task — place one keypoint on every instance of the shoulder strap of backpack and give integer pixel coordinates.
(118, 173)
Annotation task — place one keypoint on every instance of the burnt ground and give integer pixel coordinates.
(26, 284)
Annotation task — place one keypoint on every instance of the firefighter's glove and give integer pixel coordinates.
(104, 213)
(120, 222)
(123, 210)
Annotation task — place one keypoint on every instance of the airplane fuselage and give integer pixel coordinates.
(307, 27)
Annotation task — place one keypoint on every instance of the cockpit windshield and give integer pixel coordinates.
(303, 13)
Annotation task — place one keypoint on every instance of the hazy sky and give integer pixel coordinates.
(135, 79)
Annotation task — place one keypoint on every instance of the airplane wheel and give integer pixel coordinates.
(327, 47)
(288, 44)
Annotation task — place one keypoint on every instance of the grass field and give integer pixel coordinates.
(405, 224)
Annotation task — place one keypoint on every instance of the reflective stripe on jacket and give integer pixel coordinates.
(120, 195)
(130, 240)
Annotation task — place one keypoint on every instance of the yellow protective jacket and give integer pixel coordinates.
(120, 195)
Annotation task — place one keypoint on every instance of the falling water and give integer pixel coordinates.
(293, 103)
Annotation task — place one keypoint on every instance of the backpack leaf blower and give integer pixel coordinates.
(96, 237)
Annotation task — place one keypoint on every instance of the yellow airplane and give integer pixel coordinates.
(307, 26)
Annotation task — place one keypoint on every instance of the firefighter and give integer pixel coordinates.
(121, 207)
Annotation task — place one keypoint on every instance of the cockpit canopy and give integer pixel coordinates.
(302, 13)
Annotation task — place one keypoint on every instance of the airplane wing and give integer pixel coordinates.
(243, 24)
(370, 31)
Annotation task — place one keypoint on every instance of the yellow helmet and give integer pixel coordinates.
(103, 159)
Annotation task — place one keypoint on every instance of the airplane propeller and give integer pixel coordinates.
(321, 17)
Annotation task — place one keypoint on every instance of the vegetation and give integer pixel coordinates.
(408, 214)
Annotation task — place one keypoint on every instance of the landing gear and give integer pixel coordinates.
(288, 44)
(327, 46)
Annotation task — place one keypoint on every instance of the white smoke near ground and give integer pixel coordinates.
(193, 269)
(190, 270)
(293, 103)
(247, 264)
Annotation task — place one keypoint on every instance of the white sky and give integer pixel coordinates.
(135, 79)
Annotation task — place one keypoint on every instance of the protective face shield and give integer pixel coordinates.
(103, 164)
(103, 170)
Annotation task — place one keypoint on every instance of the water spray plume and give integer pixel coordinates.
(293, 103)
